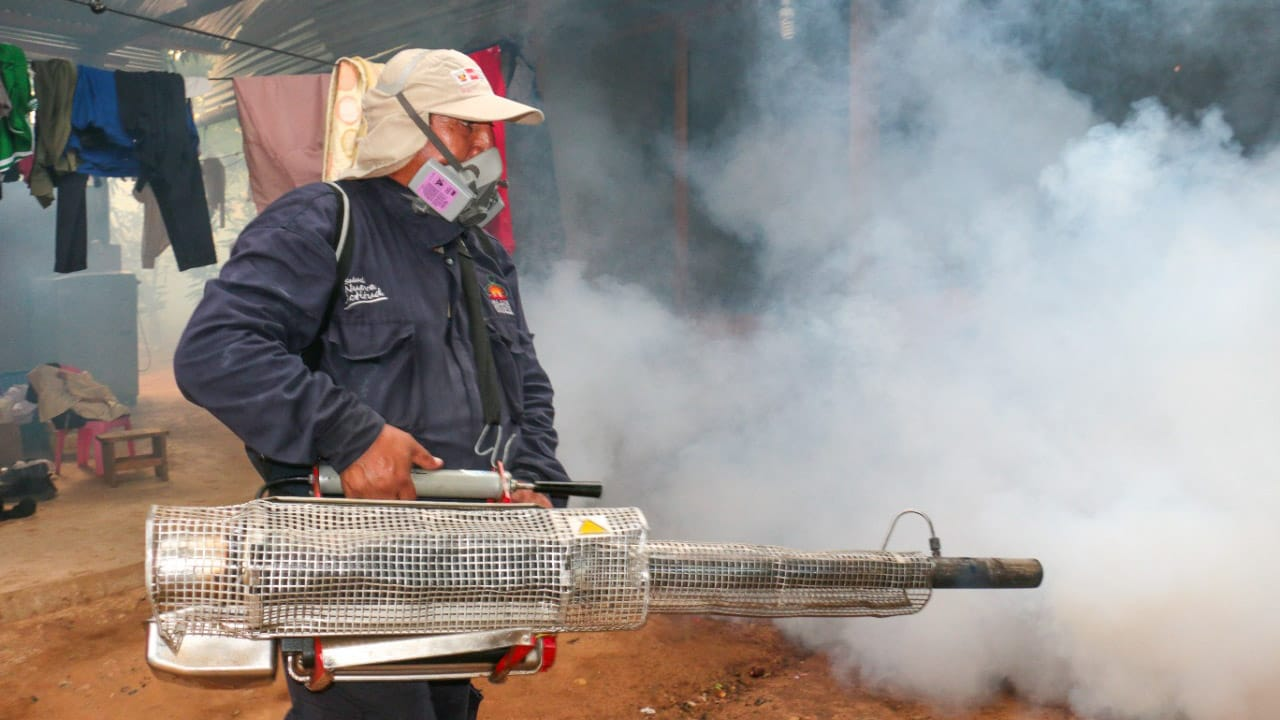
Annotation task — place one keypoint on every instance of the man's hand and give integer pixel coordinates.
(529, 496)
(382, 472)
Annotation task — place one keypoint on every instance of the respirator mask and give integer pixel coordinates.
(466, 194)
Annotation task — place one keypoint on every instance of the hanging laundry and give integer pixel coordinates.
(100, 147)
(71, 234)
(282, 122)
(20, 171)
(55, 86)
(97, 137)
(15, 128)
(154, 237)
(155, 114)
(215, 187)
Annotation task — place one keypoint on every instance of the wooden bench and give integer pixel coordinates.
(158, 458)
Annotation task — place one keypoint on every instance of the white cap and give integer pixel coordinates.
(444, 82)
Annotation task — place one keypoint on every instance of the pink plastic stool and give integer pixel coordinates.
(86, 442)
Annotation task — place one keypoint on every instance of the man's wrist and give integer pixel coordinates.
(353, 442)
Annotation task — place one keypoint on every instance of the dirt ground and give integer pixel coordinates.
(73, 608)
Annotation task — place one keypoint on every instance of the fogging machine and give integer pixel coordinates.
(348, 590)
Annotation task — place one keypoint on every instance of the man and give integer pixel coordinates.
(395, 382)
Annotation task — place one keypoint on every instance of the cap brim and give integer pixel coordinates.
(490, 108)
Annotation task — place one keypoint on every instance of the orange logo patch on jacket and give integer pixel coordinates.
(499, 298)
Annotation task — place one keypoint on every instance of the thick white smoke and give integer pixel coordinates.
(1054, 334)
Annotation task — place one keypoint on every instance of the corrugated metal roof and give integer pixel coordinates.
(58, 28)
(316, 32)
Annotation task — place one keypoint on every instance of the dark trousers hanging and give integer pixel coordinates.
(71, 239)
(153, 111)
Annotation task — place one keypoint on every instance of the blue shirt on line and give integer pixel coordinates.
(98, 137)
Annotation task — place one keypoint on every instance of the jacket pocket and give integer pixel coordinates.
(374, 361)
(367, 341)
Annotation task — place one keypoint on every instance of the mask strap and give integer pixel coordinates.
(431, 134)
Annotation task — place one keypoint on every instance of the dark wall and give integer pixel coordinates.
(608, 98)
(612, 85)
(1190, 54)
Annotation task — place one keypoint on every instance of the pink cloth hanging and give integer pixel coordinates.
(282, 122)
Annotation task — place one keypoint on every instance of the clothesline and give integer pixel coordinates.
(94, 122)
(98, 7)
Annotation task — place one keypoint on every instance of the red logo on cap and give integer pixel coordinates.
(466, 76)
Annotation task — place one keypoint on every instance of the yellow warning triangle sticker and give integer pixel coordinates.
(591, 527)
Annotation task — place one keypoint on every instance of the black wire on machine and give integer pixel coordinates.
(266, 486)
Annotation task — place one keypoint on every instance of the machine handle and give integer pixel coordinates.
(466, 484)
(551, 487)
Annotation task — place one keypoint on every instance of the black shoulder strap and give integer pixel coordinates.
(341, 243)
(486, 370)
(486, 240)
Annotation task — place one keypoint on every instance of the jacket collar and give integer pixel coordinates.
(396, 202)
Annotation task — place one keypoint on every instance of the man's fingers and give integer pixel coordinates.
(425, 460)
(529, 496)
(406, 492)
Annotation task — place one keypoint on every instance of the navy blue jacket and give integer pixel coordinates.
(395, 350)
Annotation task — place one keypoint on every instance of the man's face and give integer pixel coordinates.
(465, 139)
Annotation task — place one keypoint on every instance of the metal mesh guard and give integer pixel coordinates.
(272, 568)
(280, 569)
(768, 581)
